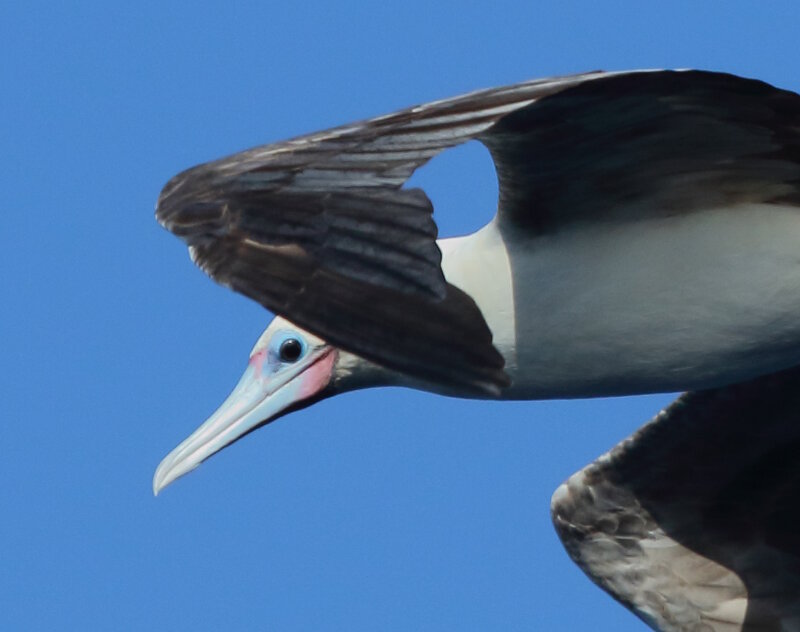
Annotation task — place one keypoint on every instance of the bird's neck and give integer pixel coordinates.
(479, 265)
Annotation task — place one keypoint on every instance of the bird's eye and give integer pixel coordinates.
(290, 350)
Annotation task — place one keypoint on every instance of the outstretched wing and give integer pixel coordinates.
(636, 145)
(694, 521)
(319, 229)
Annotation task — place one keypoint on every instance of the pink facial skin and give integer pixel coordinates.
(257, 361)
(317, 376)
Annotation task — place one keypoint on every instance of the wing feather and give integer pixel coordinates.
(694, 520)
(276, 221)
(637, 145)
(319, 230)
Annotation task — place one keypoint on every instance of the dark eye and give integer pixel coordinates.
(290, 350)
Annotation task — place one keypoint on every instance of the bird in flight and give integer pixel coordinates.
(647, 239)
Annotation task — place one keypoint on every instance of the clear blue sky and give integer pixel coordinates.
(382, 510)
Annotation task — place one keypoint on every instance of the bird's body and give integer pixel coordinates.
(647, 239)
(681, 302)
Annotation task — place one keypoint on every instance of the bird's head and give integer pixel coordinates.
(289, 369)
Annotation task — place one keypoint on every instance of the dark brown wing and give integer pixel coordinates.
(319, 230)
(636, 145)
(694, 521)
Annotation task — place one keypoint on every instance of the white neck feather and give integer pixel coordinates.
(479, 265)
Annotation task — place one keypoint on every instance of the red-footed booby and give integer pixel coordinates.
(647, 239)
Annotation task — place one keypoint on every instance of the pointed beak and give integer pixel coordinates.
(257, 399)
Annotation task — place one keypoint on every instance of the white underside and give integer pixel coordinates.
(662, 304)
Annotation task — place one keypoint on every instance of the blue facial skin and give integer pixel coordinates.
(276, 344)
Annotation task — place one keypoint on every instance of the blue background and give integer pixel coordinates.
(390, 509)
